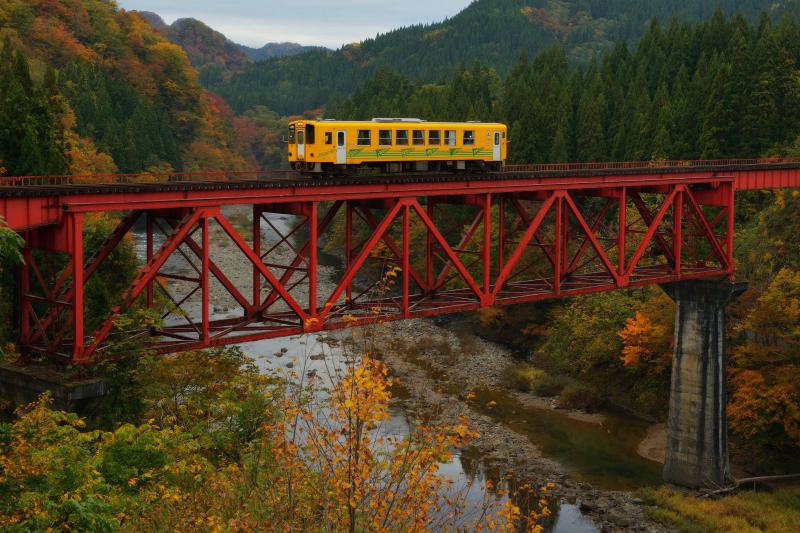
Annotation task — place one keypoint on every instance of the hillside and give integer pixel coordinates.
(273, 50)
(491, 32)
(204, 45)
(118, 96)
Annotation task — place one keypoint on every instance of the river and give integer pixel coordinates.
(603, 455)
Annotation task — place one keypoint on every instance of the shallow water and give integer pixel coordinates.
(602, 455)
(273, 355)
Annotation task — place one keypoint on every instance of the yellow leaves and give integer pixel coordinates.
(490, 317)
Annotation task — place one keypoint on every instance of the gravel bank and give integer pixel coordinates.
(438, 386)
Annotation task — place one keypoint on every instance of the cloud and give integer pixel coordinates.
(330, 23)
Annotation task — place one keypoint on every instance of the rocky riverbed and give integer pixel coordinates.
(232, 261)
(439, 369)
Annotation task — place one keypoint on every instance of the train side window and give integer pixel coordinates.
(469, 137)
(497, 139)
(418, 137)
(328, 137)
(340, 138)
(364, 138)
(385, 137)
(310, 130)
(402, 137)
(435, 137)
(450, 137)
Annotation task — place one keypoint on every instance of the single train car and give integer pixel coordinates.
(330, 147)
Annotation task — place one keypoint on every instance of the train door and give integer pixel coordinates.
(341, 147)
(301, 144)
(497, 152)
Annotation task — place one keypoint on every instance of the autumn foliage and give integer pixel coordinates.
(128, 98)
(765, 405)
(223, 446)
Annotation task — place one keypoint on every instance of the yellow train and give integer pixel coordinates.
(395, 145)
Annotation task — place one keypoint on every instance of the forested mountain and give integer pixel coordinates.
(213, 54)
(205, 47)
(490, 32)
(272, 50)
(718, 89)
(101, 87)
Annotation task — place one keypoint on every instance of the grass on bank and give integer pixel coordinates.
(571, 394)
(745, 512)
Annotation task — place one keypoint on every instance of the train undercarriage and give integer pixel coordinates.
(396, 167)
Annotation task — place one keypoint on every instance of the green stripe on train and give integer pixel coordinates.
(409, 153)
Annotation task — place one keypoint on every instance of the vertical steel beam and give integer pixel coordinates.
(257, 210)
(76, 249)
(431, 210)
(362, 256)
(523, 243)
(149, 254)
(405, 259)
(558, 242)
(348, 230)
(487, 243)
(677, 232)
(204, 278)
(312, 260)
(729, 237)
(452, 258)
(623, 227)
(501, 232)
(650, 233)
(23, 301)
(591, 238)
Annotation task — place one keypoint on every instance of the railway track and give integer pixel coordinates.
(24, 186)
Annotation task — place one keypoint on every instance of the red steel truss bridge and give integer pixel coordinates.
(410, 245)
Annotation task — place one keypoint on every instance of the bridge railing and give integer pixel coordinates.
(146, 177)
(655, 164)
(255, 175)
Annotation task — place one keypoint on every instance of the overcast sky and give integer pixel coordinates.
(330, 23)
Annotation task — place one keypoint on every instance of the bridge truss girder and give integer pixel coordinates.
(404, 256)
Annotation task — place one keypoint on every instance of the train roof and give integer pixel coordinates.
(398, 121)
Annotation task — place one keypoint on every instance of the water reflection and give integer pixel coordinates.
(297, 358)
(301, 358)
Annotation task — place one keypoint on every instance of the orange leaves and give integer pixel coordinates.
(638, 337)
(776, 315)
(765, 404)
(647, 336)
(85, 158)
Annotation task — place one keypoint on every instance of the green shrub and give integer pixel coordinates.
(745, 511)
(549, 385)
(524, 377)
(579, 396)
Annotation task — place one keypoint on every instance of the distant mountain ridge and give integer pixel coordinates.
(118, 95)
(272, 50)
(206, 46)
(490, 32)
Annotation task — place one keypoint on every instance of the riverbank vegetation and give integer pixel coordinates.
(777, 512)
(215, 444)
(722, 88)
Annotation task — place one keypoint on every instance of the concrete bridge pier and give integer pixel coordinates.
(697, 428)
